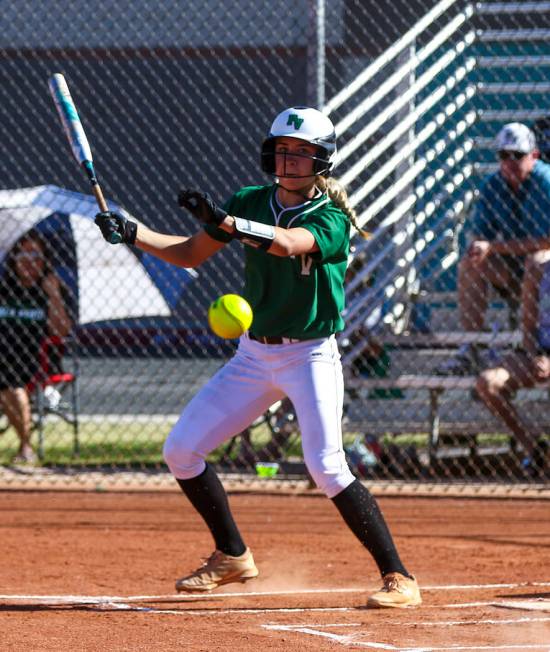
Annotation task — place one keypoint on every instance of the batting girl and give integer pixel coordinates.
(295, 235)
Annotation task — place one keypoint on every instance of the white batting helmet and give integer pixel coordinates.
(306, 124)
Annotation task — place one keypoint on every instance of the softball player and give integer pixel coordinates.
(295, 234)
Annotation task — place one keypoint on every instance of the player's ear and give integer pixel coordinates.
(536, 153)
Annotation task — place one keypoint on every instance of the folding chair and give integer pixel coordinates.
(50, 376)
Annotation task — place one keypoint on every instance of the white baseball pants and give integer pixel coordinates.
(308, 372)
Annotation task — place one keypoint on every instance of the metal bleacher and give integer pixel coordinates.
(429, 109)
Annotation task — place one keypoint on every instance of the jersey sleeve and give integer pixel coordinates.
(330, 228)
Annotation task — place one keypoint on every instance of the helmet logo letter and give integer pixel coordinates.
(293, 119)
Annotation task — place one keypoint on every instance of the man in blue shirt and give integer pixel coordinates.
(511, 221)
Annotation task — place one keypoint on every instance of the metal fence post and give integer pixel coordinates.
(316, 53)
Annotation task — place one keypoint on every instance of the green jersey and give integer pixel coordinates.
(300, 296)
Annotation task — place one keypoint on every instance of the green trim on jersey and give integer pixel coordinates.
(300, 296)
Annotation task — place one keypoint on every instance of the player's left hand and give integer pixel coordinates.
(201, 206)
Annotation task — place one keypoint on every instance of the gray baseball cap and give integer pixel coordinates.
(515, 137)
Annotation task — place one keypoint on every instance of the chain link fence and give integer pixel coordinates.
(178, 94)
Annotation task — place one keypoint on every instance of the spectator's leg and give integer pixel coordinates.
(496, 388)
(473, 288)
(17, 408)
(534, 267)
(472, 295)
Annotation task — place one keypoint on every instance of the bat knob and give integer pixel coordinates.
(115, 238)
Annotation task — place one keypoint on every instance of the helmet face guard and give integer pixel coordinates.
(321, 162)
(305, 124)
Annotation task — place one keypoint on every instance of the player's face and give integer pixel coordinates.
(29, 262)
(293, 160)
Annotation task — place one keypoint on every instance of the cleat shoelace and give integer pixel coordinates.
(206, 562)
(393, 584)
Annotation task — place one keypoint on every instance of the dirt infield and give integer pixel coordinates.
(95, 572)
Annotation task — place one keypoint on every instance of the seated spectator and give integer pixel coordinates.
(33, 305)
(511, 220)
(525, 367)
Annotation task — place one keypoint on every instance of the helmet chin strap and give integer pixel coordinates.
(300, 192)
(293, 191)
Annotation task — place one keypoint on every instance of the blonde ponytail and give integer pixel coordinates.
(337, 193)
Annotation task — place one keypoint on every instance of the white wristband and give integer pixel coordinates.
(254, 234)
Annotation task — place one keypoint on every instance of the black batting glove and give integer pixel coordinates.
(115, 228)
(201, 206)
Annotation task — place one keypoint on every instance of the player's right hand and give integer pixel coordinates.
(201, 206)
(116, 228)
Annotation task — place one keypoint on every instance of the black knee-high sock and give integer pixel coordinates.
(208, 497)
(362, 515)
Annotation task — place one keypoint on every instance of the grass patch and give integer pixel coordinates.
(130, 443)
(140, 443)
(100, 443)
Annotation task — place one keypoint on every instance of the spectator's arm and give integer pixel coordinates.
(59, 322)
(520, 247)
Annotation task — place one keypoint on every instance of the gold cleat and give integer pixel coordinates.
(219, 569)
(398, 591)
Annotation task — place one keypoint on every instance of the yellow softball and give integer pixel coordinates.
(230, 316)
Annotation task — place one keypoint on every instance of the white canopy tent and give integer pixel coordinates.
(112, 281)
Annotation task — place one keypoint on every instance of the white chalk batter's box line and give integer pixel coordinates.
(125, 602)
(178, 597)
(355, 639)
(129, 603)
